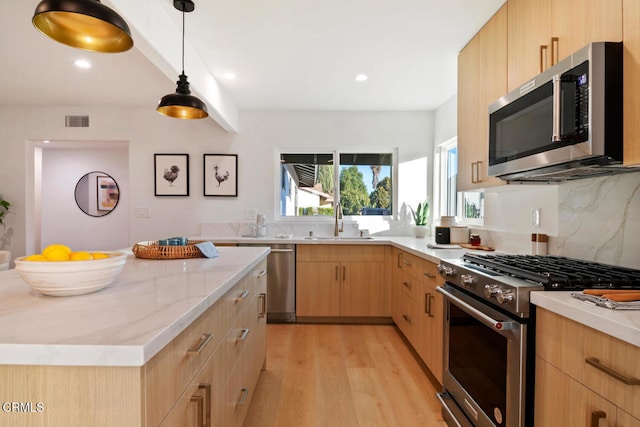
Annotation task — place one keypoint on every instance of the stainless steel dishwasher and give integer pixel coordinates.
(281, 282)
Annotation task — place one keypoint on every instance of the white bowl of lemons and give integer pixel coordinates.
(59, 271)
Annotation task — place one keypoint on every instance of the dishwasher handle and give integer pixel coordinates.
(281, 250)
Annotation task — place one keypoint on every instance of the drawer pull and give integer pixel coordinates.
(407, 318)
(262, 273)
(596, 364)
(596, 416)
(200, 408)
(243, 296)
(429, 275)
(207, 404)
(406, 263)
(243, 335)
(406, 284)
(263, 305)
(244, 394)
(202, 342)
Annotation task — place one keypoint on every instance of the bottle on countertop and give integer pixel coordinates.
(261, 223)
(539, 244)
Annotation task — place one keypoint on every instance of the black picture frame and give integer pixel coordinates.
(220, 174)
(171, 174)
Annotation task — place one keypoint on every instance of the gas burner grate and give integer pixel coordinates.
(559, 273)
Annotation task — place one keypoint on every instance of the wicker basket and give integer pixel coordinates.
(152, 250)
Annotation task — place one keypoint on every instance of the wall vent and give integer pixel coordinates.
(76, 121)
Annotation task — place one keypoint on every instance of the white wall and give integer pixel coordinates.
(148, 132)
(62, 219)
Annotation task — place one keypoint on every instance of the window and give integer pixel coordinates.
(446, 167)
(312, 183)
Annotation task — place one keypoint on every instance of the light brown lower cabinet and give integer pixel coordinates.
(204, 377)
(417, 309)
(584, 377)
(341, 281)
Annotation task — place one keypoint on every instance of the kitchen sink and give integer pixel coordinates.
(338, 238)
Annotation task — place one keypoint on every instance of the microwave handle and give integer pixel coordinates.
(557, 108)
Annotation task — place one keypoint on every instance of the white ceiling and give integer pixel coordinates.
(287, 55)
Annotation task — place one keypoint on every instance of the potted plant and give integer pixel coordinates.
(4, 208)
(420, 216)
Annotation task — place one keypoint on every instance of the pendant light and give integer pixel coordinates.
(85, 24)
(181, 104)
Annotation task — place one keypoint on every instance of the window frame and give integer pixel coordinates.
(336, 152)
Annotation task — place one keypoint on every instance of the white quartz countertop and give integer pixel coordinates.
(622, 324)
(124, 324)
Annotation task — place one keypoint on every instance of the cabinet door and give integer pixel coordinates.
(562, 401)
(482, 78)
(576, 23)
(363, 291)
(631, 62)
(529, 38)
(429, 342)
(318, 288)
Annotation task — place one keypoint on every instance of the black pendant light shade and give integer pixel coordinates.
(85, 24)
(181, 104)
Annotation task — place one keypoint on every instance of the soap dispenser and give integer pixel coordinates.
(261, 223)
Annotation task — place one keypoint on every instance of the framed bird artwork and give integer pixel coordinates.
(221, 175)
(171, 172)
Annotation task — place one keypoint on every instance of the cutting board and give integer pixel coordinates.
(476, 248)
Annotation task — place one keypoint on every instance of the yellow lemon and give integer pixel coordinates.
(80, 256)
(56, 246)
(57, 255)
(36, 257)
(99, 255)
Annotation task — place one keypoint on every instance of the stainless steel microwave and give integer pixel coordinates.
(566, 123)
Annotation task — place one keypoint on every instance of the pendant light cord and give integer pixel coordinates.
(183, 7)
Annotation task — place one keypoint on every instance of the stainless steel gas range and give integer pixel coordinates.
(489, 330)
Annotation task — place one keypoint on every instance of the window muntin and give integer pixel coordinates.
(311, 183)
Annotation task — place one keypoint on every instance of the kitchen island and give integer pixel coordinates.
(168, 342)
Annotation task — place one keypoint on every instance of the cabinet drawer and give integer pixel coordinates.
(411, 264)
(410, 285)
(238, 297)
(568, 344)
(340, 253)
(175, 366)
(239, 337)
(408, 317)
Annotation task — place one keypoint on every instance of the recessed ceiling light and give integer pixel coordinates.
(361, 77)
(82, 63)
(229, 76)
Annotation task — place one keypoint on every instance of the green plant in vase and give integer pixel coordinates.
(420, 217)
(4, 208)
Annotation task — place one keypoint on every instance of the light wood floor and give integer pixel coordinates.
(341, 375)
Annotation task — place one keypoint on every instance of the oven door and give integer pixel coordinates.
(485, 361)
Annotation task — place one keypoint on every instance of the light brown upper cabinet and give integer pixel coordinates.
(543, 32)
(631, 38)
(482, 78)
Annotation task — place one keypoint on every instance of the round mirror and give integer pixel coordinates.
(97, 193)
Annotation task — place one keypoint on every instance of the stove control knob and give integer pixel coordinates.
(445, 270)
(504, 295)
(491, 290)
(467, 279)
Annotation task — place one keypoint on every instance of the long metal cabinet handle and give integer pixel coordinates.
(243, 296)
(427, 307)
(622, 378)
(429, 299)
(596, 416)
(557, 108)
(202, 342)
(429, 275)
(244, 394)
(407, 318)
(344, 272)
(262, 273)
(406, 285)
(263, 305)
(474, 172)
(207, 404)
(243, 335)
(543, 57)
(337, 272)
(555, 50)
(200, 405)
(478, 178)
(399, 259)
(407, 263)
(487, 320)
(281, 250)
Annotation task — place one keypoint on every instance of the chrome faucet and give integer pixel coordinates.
(338, 215)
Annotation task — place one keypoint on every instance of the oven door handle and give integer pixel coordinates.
(498, 325)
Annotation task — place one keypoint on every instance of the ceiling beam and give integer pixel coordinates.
(158, 38)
